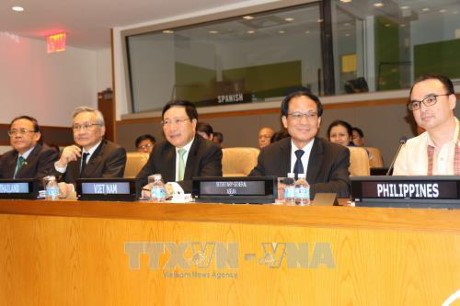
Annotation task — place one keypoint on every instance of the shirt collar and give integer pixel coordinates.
(186, 147)
(26, 153)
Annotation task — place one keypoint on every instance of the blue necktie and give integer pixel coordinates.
(298, 166)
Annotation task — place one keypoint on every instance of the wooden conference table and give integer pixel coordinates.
(99, 253)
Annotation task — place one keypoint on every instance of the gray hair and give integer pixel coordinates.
(87, 109)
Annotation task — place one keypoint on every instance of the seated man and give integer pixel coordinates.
(92, 156)
(29, 158)
(435, 151)
(145, 143)
(325, 164)
(264, 136)
(184, 154)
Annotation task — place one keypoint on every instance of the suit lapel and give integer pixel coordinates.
(192, 159)
(315, 160)
(32, 156)
(169, 160)
(12, 165)
(286, 156)
(93, 162)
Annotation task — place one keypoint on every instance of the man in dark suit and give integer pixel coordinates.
(29, 158)
(92, 156)
(184, 155)
(326, 164)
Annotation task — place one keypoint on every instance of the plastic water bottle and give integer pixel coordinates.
(302, 191)
(289, 192)
(158, 191)
(52, 188)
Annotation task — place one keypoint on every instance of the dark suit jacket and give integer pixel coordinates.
(39, 163)
(327, 167)
(108, 161)
(204, 159)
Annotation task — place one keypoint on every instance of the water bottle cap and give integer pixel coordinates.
(157, 177)
(302, 175)
(291, 175)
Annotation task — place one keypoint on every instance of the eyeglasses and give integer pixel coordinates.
(21, 131)
(146, 146)
(84, 127)
(310, 116)
(168, 122)
(429, 100)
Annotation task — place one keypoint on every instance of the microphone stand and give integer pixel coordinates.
(401, 142)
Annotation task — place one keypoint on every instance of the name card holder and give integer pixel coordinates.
(406, 191)
(234, 190)
(105, 189)
(19, 188)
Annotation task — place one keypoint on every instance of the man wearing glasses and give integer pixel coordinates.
(325, 164)
(145, 143)
(183, 155)
(436, 151)
(91, 156)
(29, 157)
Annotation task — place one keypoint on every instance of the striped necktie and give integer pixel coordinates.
(20, 162)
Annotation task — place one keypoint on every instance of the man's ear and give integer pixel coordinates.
(284, 120)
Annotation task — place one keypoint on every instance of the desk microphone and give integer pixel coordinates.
(402, 141)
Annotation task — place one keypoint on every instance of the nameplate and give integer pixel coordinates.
(406, 191)
(108, 189)
(19, 188)
(250, 190)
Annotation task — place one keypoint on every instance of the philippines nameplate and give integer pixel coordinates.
(406, 191)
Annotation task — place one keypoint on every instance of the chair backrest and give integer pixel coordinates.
(375, 157)
(359, 162)
(239, 161)
(134, 163)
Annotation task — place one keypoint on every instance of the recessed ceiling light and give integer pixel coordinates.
(168, 31)
(307, 32)
(251, 32)
(345, 1)
(17, 8)
(378, 4)
(443, 11)
(425, 9)
(455, 12)
(248, 17)
(404, 7)
(281, 31)
(213, 32)
(347, 24)
(289, 19)
(387, 25)
(319, 20)
(348, 35)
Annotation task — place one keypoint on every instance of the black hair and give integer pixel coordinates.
(190, 108)
(345, 124)
(31, 119)
(145, 137)
(205, 128)
(295, 94)
(448, 85)
(359, 131)
(219, 137)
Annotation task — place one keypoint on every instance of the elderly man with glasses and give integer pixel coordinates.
(325, 164)
(437, 150)
(91, 156)
(29, 158)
